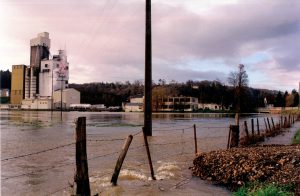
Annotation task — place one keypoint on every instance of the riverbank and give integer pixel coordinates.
(233, 168)
(275, 161)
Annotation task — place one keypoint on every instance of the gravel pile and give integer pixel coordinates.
(234, 167)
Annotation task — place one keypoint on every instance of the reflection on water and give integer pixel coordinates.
(172, 148)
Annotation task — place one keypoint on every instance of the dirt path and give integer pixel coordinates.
(284, 138)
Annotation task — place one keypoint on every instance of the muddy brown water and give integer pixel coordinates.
(52, 172)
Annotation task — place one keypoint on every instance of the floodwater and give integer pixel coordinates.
(38, 154)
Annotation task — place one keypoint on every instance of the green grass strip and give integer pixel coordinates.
(263, 189)
(296, 138)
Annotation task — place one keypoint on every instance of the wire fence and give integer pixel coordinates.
(182, 146)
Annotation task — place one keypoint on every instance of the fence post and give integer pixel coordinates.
(235, 136)
(229, 137)
(281, 122)
(257, 123)
(195, 138)
(120, 161)
(274, 129)
(285, 122)
(269, 125)
(293, 119)
(82, 173)
(246, 130)
(148, 154)
(252, 127)
(266, 125)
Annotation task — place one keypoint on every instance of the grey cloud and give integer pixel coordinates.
(109, 37)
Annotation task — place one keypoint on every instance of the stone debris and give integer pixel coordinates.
(236, 166)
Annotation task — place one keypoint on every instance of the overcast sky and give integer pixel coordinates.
(192, 39)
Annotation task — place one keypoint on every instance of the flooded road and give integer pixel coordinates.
(38, 152)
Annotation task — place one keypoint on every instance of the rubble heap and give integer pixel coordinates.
(234, 167)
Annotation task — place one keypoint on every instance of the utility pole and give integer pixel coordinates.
(62, 76)
(148, 73)
(52, 100)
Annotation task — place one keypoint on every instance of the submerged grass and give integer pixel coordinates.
(263, 189)
(296, 138)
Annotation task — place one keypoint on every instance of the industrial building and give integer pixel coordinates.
(54, 74)
(163, 104)
(17, 84)
(37, 86)
(69, 96)
(39, 50)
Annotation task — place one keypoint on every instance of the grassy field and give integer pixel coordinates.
(296, 138)
(262, 189)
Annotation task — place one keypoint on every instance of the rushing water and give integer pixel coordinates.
(52, 172)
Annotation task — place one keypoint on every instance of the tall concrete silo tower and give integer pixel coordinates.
(39, 50)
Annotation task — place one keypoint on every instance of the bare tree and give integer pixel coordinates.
(239, 80)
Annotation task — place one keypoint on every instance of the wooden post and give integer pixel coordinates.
(269, 125)
(82, 175)
(195, 138)
(252, 127)
(257, 123)
(274, 129)
(120, 161)
(235, 136)
(266, 125)
(285, 122)
(246, 129)
(293, 119)
(229, 137)
(148, 155)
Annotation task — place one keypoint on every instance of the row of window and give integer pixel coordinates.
(17, 66)
(17, 92)
(57, 66)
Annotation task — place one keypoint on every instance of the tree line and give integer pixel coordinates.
(114, 93)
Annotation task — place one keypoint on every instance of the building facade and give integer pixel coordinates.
(175, 104)
(42, 103)
(17, 84)
(54, 74)
(39, 50)
(69, 96)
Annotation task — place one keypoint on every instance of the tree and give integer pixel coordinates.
(279, 100)
(5, 81)
(239, 80)
(296, 98)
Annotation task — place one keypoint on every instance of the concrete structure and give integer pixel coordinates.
(173, 104)
(80, 106)
(98, 107)
(136, 104)
(4, 92)
(133, 107)
(43, 103)
(69, 96)
(17, 84)
(166, 104)
(54, 74)
(39, 50)
(209, 106)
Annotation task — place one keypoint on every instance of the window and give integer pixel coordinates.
(46, 65)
